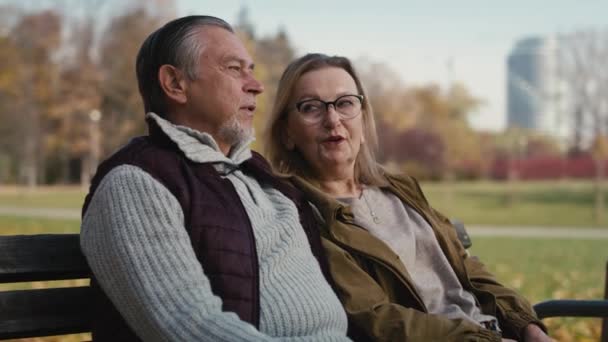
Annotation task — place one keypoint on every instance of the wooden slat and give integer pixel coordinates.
(41, 257)
(44, 312)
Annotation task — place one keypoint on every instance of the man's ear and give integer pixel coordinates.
(173, 82)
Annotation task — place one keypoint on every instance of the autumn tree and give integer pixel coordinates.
(582, 58)
(121, 105)
(393, 102)
(78, 96)
(10, 123)
(271, 54)
(28, 76)
(62, 68)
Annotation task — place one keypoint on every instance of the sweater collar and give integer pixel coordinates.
(201, 147)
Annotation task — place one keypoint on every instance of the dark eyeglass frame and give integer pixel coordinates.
(327, 103)
(299, 104)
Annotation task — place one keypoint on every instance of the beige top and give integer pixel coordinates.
(412, 239)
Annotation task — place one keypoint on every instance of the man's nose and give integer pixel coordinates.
(254, 86)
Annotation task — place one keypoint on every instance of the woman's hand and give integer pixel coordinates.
(533, 333)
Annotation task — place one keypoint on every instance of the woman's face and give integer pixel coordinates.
(331, 145)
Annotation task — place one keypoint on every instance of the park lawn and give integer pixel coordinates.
(65, 197)
(548, 203)
(14, 225)
(543, 269)
(539, 203)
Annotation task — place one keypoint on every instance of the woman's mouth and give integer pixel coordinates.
(333, 140)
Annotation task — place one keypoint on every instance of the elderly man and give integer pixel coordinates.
(188, 234)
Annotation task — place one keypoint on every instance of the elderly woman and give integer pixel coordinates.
(396, 263)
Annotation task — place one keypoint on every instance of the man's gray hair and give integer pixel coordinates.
(175, 44)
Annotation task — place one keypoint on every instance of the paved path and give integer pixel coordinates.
(51, 213)
(474, 230)
(540, 232)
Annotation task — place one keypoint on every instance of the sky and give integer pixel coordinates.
(420, 40)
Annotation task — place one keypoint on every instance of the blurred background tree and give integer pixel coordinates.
(68, 93)
(28, 89)
(582, 68)
(69, 97)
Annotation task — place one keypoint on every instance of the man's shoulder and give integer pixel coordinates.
(141, 151)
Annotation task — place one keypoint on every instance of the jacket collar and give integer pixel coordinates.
(338, 226)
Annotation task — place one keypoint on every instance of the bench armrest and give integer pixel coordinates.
(572, 308)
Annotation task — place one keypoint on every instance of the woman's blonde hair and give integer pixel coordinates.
(291, 162)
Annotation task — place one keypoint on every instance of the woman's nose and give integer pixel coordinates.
(332, 117)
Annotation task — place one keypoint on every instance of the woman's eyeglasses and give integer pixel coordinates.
(313, 110)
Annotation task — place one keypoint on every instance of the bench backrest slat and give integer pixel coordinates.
(44, 312)
(41, 257)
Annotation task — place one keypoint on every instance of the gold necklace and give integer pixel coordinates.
(372, 213)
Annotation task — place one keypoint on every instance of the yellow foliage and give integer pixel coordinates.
(599, 148)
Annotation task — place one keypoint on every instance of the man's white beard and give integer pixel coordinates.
(233, 133)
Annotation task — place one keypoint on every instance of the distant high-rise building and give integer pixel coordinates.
(531, 85)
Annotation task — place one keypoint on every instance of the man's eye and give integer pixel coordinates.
(234, 67)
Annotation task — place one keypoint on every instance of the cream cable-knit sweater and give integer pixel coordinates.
(134, 239)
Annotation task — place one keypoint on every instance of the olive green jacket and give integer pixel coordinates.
(378, 293)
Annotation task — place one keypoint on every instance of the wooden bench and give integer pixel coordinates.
(58, 311)
(43, 312)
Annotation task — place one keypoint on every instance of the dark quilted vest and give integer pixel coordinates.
(215, 219)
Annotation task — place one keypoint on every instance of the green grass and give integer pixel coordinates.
(44, 197)
(549, 203)
(555, 203)
(10, 225)
(542, 269)
(546, 268)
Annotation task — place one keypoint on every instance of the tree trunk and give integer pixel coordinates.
(31, 130)
(577, 140)
(600, 165)
(30, 158)
(512, 179)
(85, 167)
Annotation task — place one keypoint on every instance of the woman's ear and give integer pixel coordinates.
(173, 83)
(287, 140)
(289, 144)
